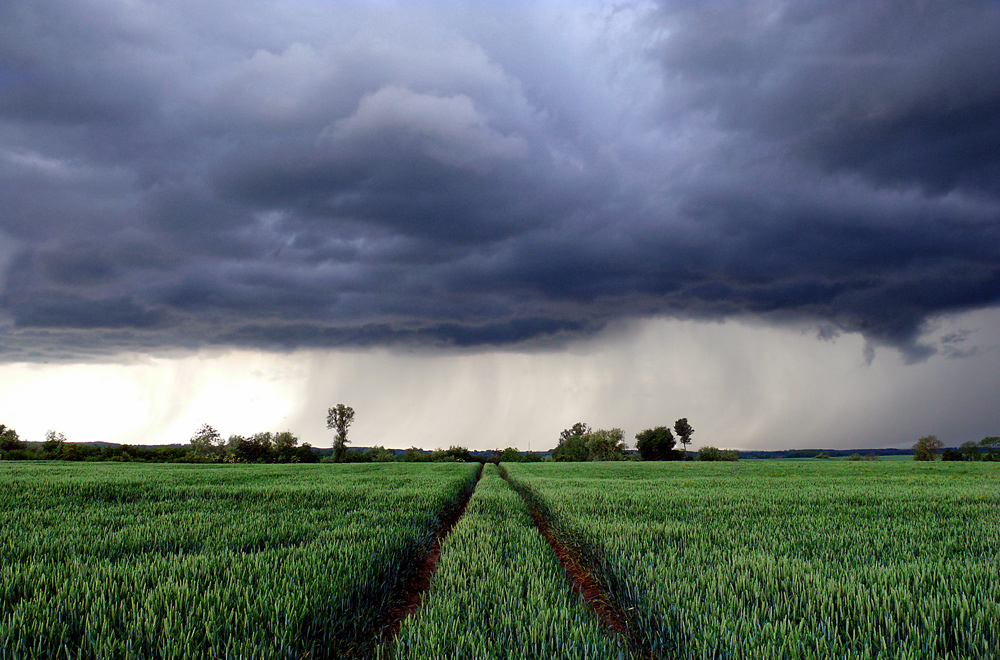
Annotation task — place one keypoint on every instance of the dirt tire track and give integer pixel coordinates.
(579, 573)
(420, 580)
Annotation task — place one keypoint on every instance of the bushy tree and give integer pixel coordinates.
(206, 441)
(991, 447)
(511, 455)
(286, 447)
(684, 432)
(9, 440)
(453, 454)
(708, 453)
(415, 455)
(580, 443)
(78, 452)
(970, 451)
(340, 417)
(729, 455)
(656, 444)
(606, 445)
(54, 443)
(379, 454)
(258, 448)
(926, 448)
(306, 454)
(572, 444)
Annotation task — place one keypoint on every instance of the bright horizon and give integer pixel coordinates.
(774, 388)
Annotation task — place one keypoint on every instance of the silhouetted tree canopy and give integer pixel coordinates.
(657, 444)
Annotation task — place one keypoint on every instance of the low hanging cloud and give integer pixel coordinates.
(275, 176)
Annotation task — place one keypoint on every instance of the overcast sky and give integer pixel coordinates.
(481, 222)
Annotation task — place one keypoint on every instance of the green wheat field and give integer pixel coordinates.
(754, 559)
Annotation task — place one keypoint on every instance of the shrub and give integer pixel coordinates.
(708, 453)
(415, 455)
(950, 454)
(453, 454)
(21, 455)
(379, 454)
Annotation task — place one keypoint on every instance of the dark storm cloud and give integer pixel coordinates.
(295, 174)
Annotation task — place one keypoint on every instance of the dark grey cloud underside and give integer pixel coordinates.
(463, 178)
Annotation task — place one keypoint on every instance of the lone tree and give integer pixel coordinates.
(926, 447)
(684, 432)
(340, 418)
(656, 444)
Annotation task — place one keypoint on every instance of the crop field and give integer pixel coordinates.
(796, 559)
(130, 561)
(757, 559)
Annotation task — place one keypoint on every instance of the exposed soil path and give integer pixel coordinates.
(420, 579)
(594, 592)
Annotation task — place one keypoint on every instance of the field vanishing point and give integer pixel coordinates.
(754, 559)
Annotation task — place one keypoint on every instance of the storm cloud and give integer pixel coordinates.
(308, 174)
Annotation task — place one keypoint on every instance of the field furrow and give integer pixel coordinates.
(500, 592)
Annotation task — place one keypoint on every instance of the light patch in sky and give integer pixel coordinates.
(151, 401)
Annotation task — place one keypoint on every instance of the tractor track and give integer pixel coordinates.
(412, 595)
(578, 571)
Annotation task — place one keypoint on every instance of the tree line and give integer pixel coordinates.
(581, 443)
(578, 443)
(987, 449)
(56, 447)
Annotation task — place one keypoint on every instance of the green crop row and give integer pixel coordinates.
(788, 559)
(500, 592)
(221, 561)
